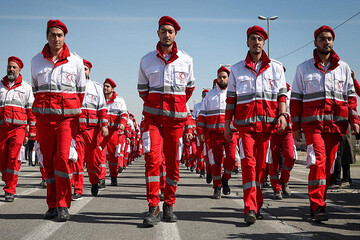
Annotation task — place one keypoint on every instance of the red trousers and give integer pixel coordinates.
(87, 144)
(55, 140)
(283, 142)
(111, 141)
(325, 146)
(11, 140)
(162, 174)
(253, 149)
(218, 144)
(200, 156)
(158, 136)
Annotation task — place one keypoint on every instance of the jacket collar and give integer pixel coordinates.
(5, 81)
(264, 65)
(64, 54)
(160, 53)
(112, 99)
(334, 61)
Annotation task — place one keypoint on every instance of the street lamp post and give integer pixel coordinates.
(268, 20)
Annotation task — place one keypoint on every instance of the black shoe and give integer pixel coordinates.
(120, 169)
(94, 189)
(202, 174)
(9, 197)
(217, 193)
(168, 215)
(161, 196)
(320, 214)
(51, 213)
(76, 197)
(278, 195)
(286, 189)
(198, 171)
(101, 183)
(113, 181)
(152, 217)
(43, 184)
(63, 214)
(235, 170)
(192, 168)
(259, 216)
(250, 217)
(208, 178)
(226, 188)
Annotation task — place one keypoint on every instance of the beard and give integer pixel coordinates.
(324, 52)
(222, 85)
(12, 77)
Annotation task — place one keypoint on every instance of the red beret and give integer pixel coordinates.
(111, 82)
(87, 63)
(324, 29)
(57, 24)
(223, 69)
(257, 30)
(205, 91)
(166, 20)
(131, 115)
(17, 60)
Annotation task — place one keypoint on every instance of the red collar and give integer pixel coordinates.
(64, 54)
(5, 81)
(334, 61)
(111, 100)
(264, 65)
(160, 53)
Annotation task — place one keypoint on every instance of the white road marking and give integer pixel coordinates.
(167, 231)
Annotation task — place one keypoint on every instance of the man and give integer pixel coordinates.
(165, 84)
(93, 126)
(117, 118)
(16, 99)
(212, 119)
(58, 82)
(323, 102)
(256, 97)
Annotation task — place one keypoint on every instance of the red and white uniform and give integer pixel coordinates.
(323, 102)
(254, 92)
(59, 88)
(88, 139)
(165, 84)
(117, 114)
(16, 100)
(212, 119)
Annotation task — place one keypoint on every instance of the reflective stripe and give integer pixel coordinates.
(201, 124)
(88, 120)
(286, 168)
(296, 95)
(58, 111)
(171, 182)
(78, 173)
(255, 119)
(12, 171)
(162, 174)
(16, 121)
(52, 87)
(273, 177)
(295, 119)
(323, 95)
(199, 160)
(92, 171)
(317, 182)
(32, 123)
(62, 174)
(152, 179)
(142, 86)
(102, 165)
(169, 89)
(257, 96)
(214, 112)
(163, 112)
(104, 121)
(258, 185)
(13, 102)
(249, 185)
(217, 177)
(323, 118)
(230, 106)
(227, 171)
(230, 94)
(217, 125)
(113, 164)
(50, 180)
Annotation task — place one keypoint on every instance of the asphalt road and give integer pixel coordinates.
(117, 212)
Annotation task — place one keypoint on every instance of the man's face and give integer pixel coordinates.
(166, 35)
(324, 43)
(255, 43)
(87, 72)
(108, 89)
(223, 79)
(56, 38)
(13, 70)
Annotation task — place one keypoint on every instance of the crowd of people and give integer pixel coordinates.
(250, 113)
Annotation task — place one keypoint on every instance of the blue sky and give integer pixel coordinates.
(114, 35)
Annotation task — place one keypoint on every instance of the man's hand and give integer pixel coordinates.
(228, 131)
(188, 137)
(282, 123)
(355, 129)
(297, 135)
(128, 140)
(121, 126)
(32, 136)
(104, 131)
(26, 140)
(202, 138)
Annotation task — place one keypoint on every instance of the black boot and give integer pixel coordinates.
(208, 178)
(101, 183)
(226, 188)
(94, 189)
(120, 169)
(51, 213)
(168, 215)
(217, 193)
(152, 217)
(9, 197)
(250, 217)
(113, 181)
(63, 214)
